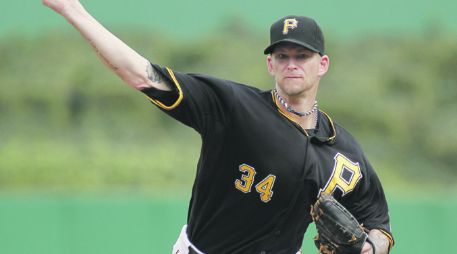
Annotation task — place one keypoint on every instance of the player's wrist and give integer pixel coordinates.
(73, 11)
(371, 246)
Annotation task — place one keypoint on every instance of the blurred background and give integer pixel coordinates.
(88, 165)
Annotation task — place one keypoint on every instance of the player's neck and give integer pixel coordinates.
(303, 110)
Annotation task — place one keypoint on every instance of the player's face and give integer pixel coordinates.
(296, 69)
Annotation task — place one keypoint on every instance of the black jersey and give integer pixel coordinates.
(259, 172)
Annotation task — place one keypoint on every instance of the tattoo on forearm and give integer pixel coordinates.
(153, 75)
(102, 57)
(156, 76)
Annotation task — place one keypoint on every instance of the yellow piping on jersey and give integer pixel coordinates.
(288, 116)
(331, 124)
(180, 94)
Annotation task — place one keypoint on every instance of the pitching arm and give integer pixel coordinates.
(130, 66)
(380, 241)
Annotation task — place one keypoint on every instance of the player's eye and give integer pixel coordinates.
(281, 56)
(302, 56)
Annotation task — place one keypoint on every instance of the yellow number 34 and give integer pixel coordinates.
(264, 187)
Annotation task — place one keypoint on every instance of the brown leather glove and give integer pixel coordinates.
(338, 231)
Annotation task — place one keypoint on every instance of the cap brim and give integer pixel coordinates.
(270, 48)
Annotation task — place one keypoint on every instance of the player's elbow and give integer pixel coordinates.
(140, 82)
(133, 79)
(137, 82)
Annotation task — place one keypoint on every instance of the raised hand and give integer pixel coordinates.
(61, 6)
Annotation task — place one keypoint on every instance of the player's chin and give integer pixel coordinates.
(293, 82)
(293, 87)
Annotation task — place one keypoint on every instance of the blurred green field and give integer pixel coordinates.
(90, 166)
(132, 223)
(74, 125)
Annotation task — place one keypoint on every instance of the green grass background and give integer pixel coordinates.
(119, 224)
(88, 166)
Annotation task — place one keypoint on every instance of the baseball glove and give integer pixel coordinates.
(338, 231)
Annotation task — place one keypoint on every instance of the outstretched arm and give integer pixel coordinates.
(130, 66)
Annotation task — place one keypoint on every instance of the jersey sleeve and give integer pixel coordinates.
(196, 100)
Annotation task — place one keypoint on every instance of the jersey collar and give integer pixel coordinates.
(326, 132)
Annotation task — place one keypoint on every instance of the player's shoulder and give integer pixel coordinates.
(342, 136)
(343, 133)
(236, 86)
(208, 80)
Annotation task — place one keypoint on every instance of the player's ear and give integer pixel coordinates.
(270, 65)
(324, 65)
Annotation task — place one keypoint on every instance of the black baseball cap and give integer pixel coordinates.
(299, 30)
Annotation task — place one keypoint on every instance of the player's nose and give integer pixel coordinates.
(292, 64)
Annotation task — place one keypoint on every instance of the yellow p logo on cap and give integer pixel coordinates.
(289, 24)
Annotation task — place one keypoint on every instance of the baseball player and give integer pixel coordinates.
(266, 155)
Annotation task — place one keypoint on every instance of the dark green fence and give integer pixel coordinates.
(138, 224)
